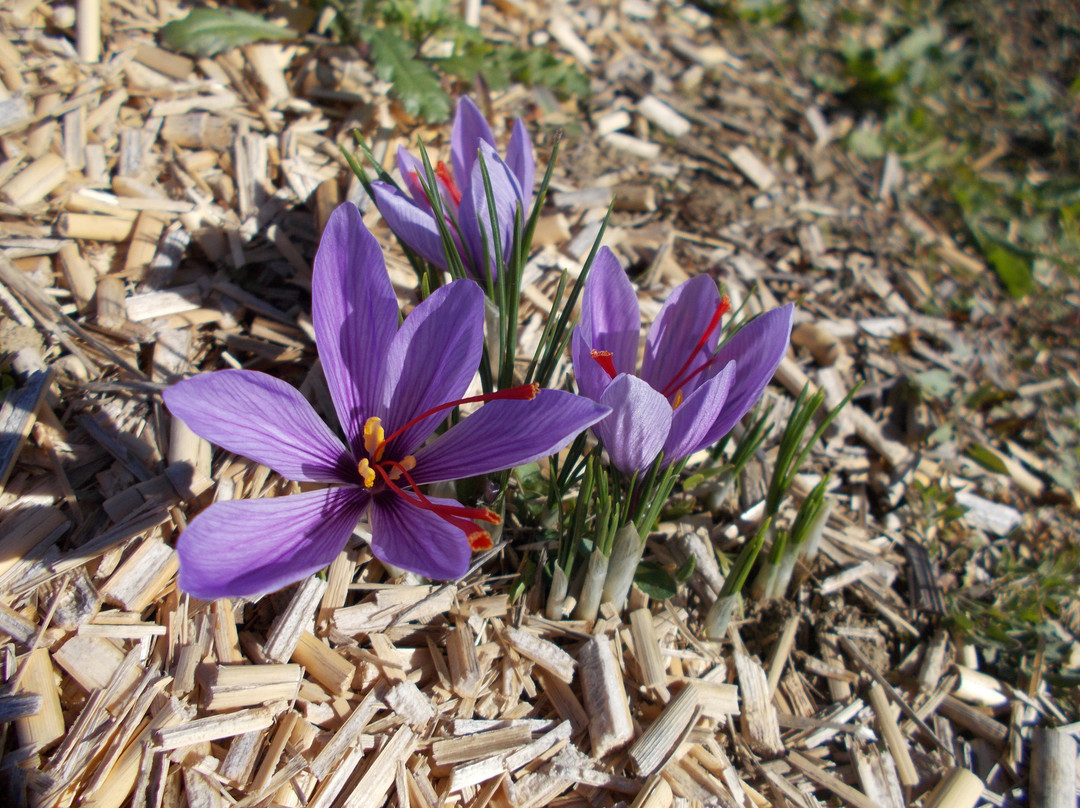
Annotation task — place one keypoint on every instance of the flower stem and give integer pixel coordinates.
(626, 552)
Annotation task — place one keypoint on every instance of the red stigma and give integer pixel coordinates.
(443, 173)
(457, 515)
(524, 392)
(603, 359)
(682, 377)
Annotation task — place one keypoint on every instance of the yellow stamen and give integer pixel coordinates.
(678, 399)
(366, 472)
(408, 463)
(373, 438)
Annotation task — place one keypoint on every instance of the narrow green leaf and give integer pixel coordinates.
(206, 31)
(986, 458)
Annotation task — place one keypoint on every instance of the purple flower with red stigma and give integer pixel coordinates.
(392, 386)
(687, 395)
(461, 190)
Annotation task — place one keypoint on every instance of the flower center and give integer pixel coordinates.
(686, 373)
(375, 467)
(443, 175)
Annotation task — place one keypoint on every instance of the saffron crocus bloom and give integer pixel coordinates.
(391, 387)
(461, 189)
(687, 395)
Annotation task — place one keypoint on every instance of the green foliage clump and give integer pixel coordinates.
(398, 34)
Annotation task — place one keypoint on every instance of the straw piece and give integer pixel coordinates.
(759, 721)
(370, 792)
(78, 274)
(647, 652)
(663, 116)
(464, 666)
(231, 686)
(16, 626)
(781, 651)
(226, 641)
(971, 719)
(17, 417)
(240, 761)
(406, 700)
(19, 706)
(1053, 769)
(564, 701)
(285, 631)
(325, 666)
(959, 788)
(472, 774)
(657, 744)
(45, 727)
(602, 685)
(92, 662)
(751, 167)
(141, 578)
(92, 227)
(979, 689)
(333, 784)
(398, 604)
(36, 181)
(877, 774)
(894, 739)
(213, 728)
(838, 787)
(479, 745)
(541, 746)
(545, 654)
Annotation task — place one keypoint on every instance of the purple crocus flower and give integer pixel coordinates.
(462, 193)
(687, 396)
(391, 387)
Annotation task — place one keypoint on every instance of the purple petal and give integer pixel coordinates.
(417, 540)
(413, 224)
(757, 349)
(248, 547)
(355, 315)
(432, 360)
(638, 426)
(691, 421)
(519, 156)
(469, 130)
(264, 419)
(675, 332)
(410, 169)
(610, 318)
(504, 434)
(474, 217)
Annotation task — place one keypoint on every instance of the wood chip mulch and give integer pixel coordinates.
(159, 217)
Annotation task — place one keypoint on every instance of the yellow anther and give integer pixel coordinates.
(374, 435)
(678, 399)
(408, 463)
(366, 472)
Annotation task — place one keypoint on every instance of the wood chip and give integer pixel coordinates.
(610, 726)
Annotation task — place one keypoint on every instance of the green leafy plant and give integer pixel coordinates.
(400, 35)
(206, 31)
